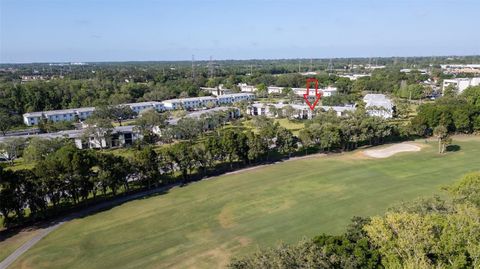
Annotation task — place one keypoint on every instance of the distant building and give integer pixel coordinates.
(461, 68)
(32, 118)
(274, 89)
(139, 107)
(84, 112)
(121, 136)
(460, 84)
(326, 92)
(378, 105)
(217, 91)
(190, 103)
(235, 97)
(299, 111)
(408, 70)
(354, 76)
(246, 88)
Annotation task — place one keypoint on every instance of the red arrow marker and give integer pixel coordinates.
(318, 96)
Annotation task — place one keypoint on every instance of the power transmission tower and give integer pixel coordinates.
(298, 66)
(193, 67)
(311, 64)
(210, 67)
(330, 66)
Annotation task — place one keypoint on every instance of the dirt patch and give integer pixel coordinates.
(392, 150)
(225, 218)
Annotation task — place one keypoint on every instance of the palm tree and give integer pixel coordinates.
(441, 133)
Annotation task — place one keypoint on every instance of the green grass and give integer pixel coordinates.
(9, 245)
(295, 126)
(206, 223)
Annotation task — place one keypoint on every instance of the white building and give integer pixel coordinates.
(217, 91)
(299, 111)
(84, 112)
(60, 115)
(121, 136)
(461, 68)
(32, 118)
(461, 84)
(355, 76)
(246, 88)
(378, 105)
(326, 92)
(139, 107)
(235, 97)
(190, 103)
(274, 89)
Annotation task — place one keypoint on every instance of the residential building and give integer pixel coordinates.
(217, 91)
(32, 118)
(460, 84)
(139, 107)
(84, 112)
(190, 103)
(121, 136)
(326, 92)
(60, 115)
(299, 111)
(354, 76)
(461, 68)
(274, 90)
(246, 88)
(378, 105)
(235, 97)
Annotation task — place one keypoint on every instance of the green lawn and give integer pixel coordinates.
(203, 225)
(10, 244)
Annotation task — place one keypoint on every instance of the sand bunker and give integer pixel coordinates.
(391, 150)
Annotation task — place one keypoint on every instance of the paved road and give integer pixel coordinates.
(52, 226)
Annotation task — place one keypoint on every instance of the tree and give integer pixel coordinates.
(285, 141)
(6, 122)
(148, 120)
(101, 130)
(442, 135)
(114, 113)
(450, 91)
(112, 172)
(146, 164)
(10, 195)
(306, 138)
(183, 157)
(38, 148)
(257, 146)
(467, 189)
(12, 148)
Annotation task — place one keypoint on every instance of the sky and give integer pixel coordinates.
(156, 30)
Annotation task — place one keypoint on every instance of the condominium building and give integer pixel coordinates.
(326, 92)
(139, 107)
(190, 103)
(235, 97)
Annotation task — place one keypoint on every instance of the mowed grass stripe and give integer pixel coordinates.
(204, 224)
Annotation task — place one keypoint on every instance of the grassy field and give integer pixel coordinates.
(206, 223)
(9, 245)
